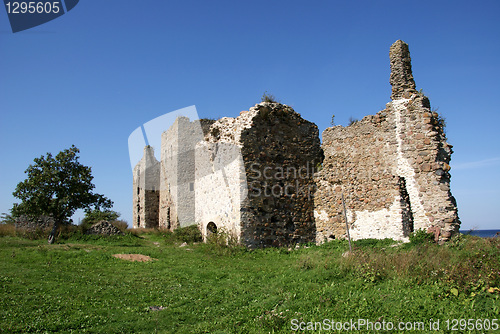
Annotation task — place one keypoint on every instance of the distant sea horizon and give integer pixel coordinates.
(480, 233)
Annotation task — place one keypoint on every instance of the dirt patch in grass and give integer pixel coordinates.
(134, 257)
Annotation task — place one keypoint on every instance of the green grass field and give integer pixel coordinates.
(77, 286)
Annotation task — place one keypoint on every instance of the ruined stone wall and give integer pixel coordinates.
(146, 190)
(220, 177)
(282, 152)
(424, 160)
(360, 162)
(33, 223)
(393, 168)
(261, 189)
(104, 227)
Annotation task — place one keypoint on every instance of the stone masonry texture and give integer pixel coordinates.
(104, 228)
(265, 180)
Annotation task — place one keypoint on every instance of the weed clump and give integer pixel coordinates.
(352, 121)
(420, 237)
(222, 243)
(268, 98)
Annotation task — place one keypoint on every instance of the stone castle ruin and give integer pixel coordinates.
(266, 180)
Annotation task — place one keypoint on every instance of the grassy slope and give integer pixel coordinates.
(77, 286)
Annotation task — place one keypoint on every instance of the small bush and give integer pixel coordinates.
(421, 236)
(223, 243)
(459, 240)
(352, 120)
(268, 98)
(120, 224)
(441, 122)
(218, 239)
(33, 233)
(188, 234)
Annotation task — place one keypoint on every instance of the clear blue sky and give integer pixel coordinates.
(95, 74)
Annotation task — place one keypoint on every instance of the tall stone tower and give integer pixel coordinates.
(402, 82)
(177, 175)
(423, 154)
(146, 196)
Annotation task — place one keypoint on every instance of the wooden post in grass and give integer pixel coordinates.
(346, 224)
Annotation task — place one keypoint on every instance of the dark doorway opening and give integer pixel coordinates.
(211, 229)
(407, 214)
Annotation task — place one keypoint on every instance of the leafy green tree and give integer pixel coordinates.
(57, 187)
(96, 215)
